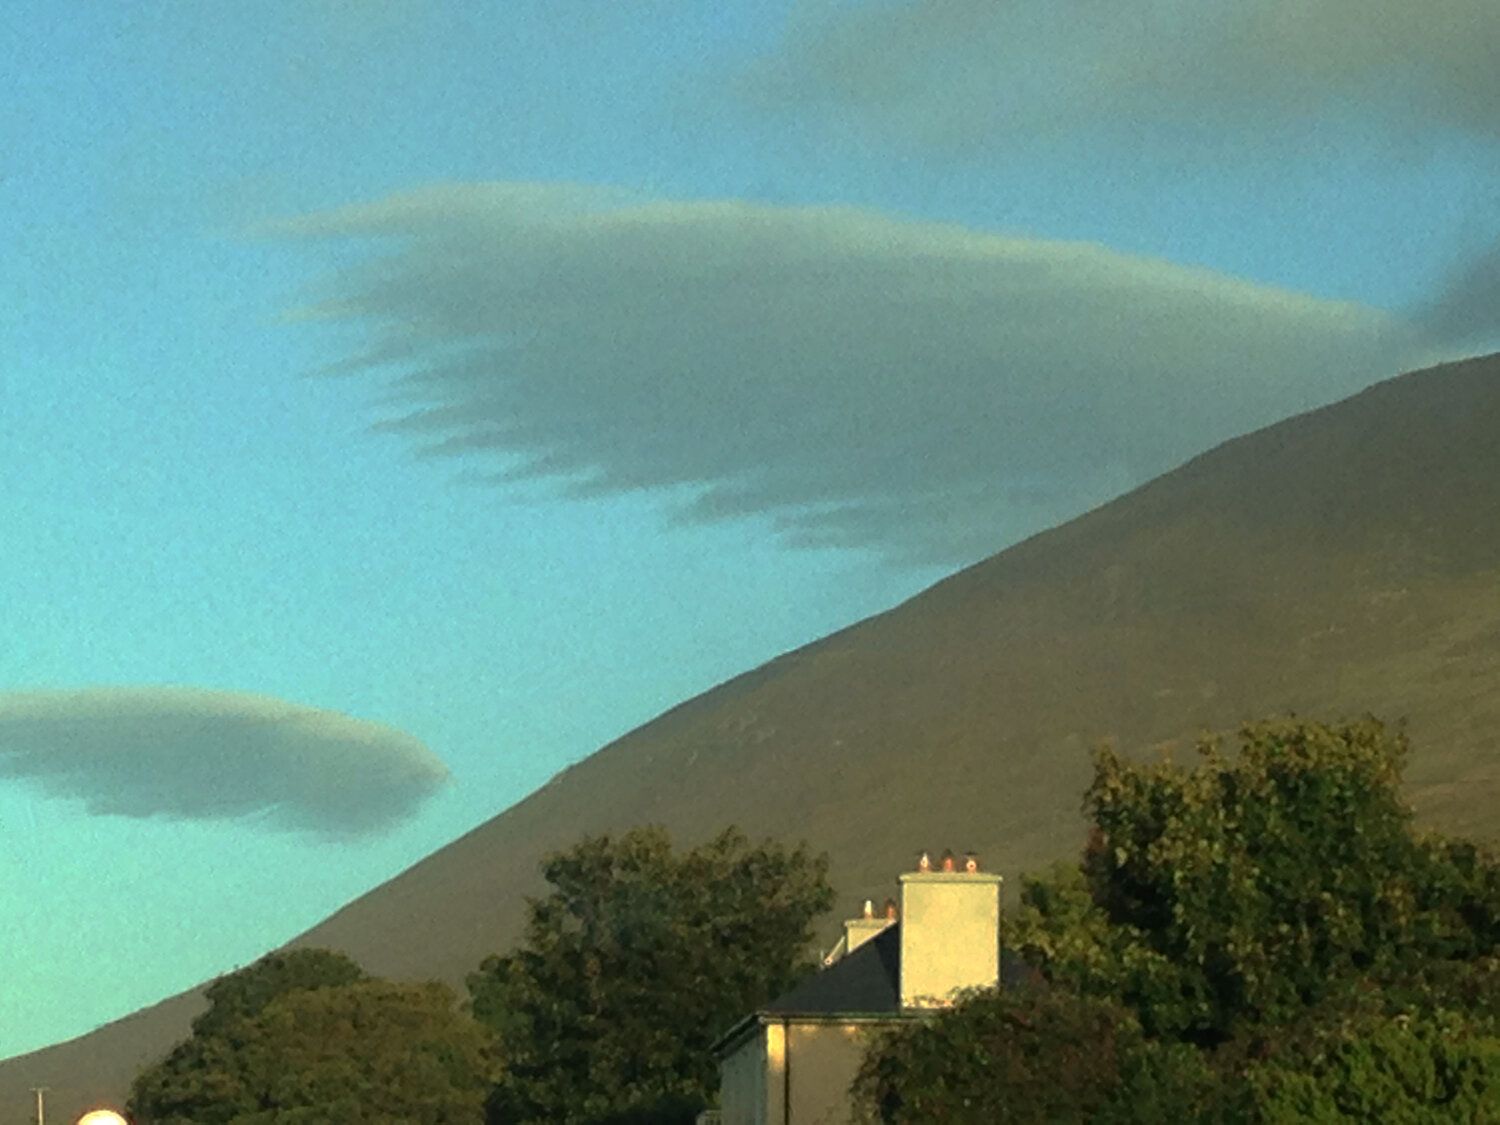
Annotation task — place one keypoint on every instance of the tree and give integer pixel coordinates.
(631, 967)
(1246, 890)
(1031, 1059)
(294, 1040)
(1262, 938)
(241, 995)
(1419, 1067)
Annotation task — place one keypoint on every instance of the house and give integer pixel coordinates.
(791, 1062)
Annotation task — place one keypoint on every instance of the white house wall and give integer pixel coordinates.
(743, 1081)
(822, 1060)
(792, 1073)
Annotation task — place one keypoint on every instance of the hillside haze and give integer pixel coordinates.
(1340, 562)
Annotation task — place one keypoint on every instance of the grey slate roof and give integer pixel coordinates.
(867, 980)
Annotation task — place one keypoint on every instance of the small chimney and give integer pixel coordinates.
(924, 863)
(971, 862)
(890, 909)
(859, 930)
(949, 863)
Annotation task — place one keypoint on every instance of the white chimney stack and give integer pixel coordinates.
(950, 931)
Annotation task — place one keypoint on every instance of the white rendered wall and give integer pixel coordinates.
(823, 1060)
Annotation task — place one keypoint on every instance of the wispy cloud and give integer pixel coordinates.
(1466, 310)
(184, 753)
(928, 391)
(1196, 82)
(971, 70)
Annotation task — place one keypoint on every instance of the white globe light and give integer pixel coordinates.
(101, 1117)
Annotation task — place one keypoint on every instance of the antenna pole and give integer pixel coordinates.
(41, 1103)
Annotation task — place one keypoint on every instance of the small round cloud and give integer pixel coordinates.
(191, 754)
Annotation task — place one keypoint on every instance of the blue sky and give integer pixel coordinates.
(426, 396)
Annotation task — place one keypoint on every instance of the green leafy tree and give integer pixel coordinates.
(1256, 938)
(198, 1080)
(1421, 1047)
(1432, 1068)
(1246, 890)
(1030, 1059)
(305, 1037)
(633, 964)
(241, 995)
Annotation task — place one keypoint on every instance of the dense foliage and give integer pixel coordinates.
(1421, 1066)
(304, 1037)
(1039, 1057)
(1274, 915)
(242, 995)
(631, 967)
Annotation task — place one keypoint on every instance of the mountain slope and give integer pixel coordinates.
(1343, 561)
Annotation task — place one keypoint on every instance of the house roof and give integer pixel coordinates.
(867, 981)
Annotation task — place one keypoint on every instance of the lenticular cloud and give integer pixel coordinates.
(926, 391)
(188, 754)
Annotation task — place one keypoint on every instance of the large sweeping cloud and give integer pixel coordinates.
(189, 754)
(931, 392)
